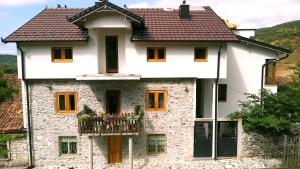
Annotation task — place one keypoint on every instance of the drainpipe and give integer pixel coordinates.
(216, 101)
(28, 109)
(262, 76)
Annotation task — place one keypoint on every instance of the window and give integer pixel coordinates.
(156, 54)
(156, 100)
(4, 151)
(67, 145)
(270, 72)
(66, 102)
(156, 143)
(62, 54)
(222, 93)
(200, 54)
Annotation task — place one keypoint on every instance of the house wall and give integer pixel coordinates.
(89, 57)
(18, 154)
(177, 123)
(243, 74)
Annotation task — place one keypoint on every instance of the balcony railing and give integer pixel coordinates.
(113, 125)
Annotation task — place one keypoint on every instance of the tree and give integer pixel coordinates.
(6, 92)
(279, 112)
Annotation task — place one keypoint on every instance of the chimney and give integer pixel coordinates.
(184, 10)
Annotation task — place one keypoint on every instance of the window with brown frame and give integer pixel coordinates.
(200, 54)
(64, 54)
(156, 54)
(156, 100)
(66, 102)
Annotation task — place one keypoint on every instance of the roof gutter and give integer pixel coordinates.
(262, 76)
(216, 102)
(28, 108)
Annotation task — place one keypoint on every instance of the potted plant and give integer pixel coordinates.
(138, 113)
(86, 114)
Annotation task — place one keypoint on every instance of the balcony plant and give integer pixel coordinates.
(138, 114)
(86, 114)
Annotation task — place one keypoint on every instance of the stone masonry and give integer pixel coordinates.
(177, 123)
(18, 154)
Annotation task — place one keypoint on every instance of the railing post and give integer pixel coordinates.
(130, 152)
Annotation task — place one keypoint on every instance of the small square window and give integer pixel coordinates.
(222, 93)
(156, 143)
(4, 151)
(66, 102)
(60, 54)
(156, 100)
(67, 145)
(156, 54)
(200, 54)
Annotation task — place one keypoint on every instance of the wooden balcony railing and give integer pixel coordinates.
(114, 125)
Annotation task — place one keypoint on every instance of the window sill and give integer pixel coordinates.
(156, 60)
(66, 113)
(62, 61)
(200, 60)
(156, 111)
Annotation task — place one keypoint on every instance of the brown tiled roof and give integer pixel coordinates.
(166, 25)
(50, 25)
(161, 25)
(11, 112)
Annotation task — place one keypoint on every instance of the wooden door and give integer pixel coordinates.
(114, 149)
(112, 54)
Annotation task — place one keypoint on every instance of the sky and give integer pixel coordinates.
(244, 13)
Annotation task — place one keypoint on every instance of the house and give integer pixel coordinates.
(183, 67)
(13, 142)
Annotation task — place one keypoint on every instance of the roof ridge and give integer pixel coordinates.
(65, 8)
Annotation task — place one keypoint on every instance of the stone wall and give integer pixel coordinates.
(18, 154)
(177, 123)
(258, 145)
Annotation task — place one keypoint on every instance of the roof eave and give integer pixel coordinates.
(265, 45)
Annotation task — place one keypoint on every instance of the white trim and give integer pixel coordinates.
(262, 46)
(105, 7)
(113, 76)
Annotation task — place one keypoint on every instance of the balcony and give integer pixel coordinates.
(124, 124)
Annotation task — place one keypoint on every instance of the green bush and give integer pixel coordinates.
(279, 112)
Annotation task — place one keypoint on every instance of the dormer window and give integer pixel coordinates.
(156, 54)
(200, 54)
(62, 54)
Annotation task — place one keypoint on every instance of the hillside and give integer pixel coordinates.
(8, 63)
(285, 35)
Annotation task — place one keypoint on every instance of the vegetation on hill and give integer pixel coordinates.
(8, 63)
(6, 92)
(285, 35)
